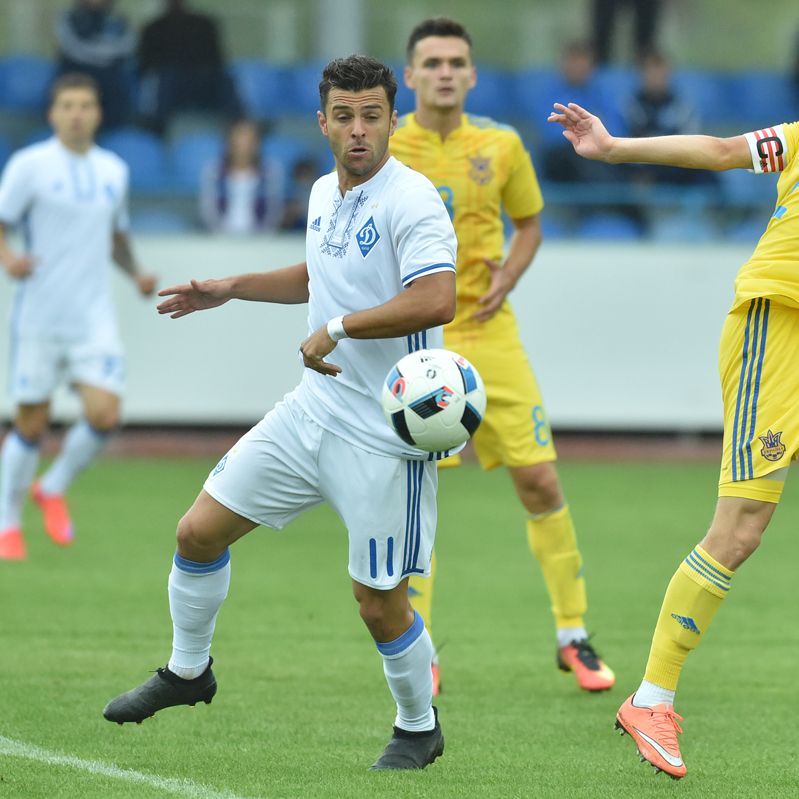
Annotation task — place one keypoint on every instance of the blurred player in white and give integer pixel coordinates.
(379, 278)
(69, 197)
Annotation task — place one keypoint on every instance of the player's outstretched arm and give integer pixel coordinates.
(287, 286)
(16, 265)
(591, 140)
(428, 302)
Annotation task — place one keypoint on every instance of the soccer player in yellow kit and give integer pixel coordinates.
(760, 387)
(480, 166)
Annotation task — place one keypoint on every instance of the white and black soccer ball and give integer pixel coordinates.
(434, 399)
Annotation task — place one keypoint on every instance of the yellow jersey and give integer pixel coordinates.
(773, 269)
(479, 169)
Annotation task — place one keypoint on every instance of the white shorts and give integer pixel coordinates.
(39, 364)
(287, 464)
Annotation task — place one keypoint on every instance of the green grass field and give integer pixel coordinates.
(303, 709)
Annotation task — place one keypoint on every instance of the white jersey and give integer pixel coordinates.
(362, 250)
(68, 206)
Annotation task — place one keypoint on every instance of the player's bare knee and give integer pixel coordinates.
(196, 541)
(31, 421)
(103, 420)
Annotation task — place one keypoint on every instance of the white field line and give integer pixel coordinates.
(180, 787)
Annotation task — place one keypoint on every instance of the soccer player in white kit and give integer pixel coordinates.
(69, 197)
(379, 278)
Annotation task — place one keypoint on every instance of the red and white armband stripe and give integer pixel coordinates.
(769, 149)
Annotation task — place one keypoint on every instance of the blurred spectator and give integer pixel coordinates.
(303, 176)
(94, 40)
(578, 83)
(656, 109)
(182, 67)
(604, 18)
(242, 194)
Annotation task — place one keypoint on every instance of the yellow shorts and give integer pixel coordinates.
(515, 430)
(760, 386)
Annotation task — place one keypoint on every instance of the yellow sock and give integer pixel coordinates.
(692, 599)
(420, 592)
(553, 541)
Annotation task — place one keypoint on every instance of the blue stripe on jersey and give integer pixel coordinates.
(400, 644)
(408, 500)
(748, 390)
(758, 373)
(193, 567)
(373, 558)
(390, 556)
(425, 269)
(744, 359)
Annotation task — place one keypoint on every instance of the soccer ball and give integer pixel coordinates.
(434, 399)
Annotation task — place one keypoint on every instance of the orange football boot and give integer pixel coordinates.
(654, 730)
(436, 679)
(57, 523)
(591, 673)
(12, 544)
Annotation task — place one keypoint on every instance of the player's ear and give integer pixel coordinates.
(473, 79)
(394, 118)
(407, 75)
(322, 120)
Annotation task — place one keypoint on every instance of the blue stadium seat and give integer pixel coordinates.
(5, 151)
(492, 96)
(608, 227)
(619, 82)
(37, 135)
(302, 89)
(144, 154)
(761, 98)
(708, 92)
(24, 81)
(740, 188)
(748, 230)
(262, 88)
(534, 91)
(156, 220)
(190, 155)
(286, 150)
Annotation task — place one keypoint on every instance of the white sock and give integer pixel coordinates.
(18, 461)
(568, 634)
(406, 664)
(196, 592)
(81, 445)
(649, 695)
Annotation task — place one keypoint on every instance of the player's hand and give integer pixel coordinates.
(315, 348)
(500, 287)
(199, 295)
(585, 131)
(145, 283)
(18, 266)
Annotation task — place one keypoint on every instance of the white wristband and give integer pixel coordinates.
(335, 328)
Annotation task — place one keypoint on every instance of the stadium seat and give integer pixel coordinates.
(161, 221)
(608, 227)
(144, 154)
(286, 151)
(708, 92)
(492, 95)
(762, 98)
(191, 153)
(24, 81)
(618, 82)
(301, 89)
(534, 91)
(746, 231)
(740, 188)
(5, 151)
(262, 87)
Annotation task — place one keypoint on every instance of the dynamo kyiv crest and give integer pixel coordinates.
(367, 237)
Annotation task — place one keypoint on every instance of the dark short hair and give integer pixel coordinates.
(436, 26)
(354, 74)
(74, 80)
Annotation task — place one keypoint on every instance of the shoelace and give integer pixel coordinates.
(587, 655)
(665, 722)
